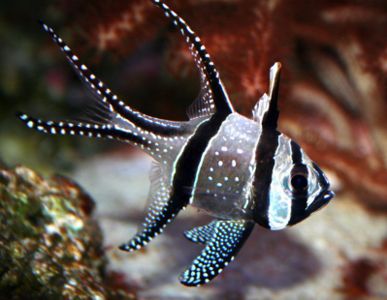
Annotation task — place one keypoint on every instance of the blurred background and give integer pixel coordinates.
(333, 101)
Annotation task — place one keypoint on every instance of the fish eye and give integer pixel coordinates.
(299, 182)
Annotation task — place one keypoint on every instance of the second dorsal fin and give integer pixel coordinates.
(266, 110)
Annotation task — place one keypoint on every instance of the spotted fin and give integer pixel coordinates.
(202, 234)
(160, 210)
(112, 119)
(226, 240)
(92, 130)
(109, 102)
(268, 103)
(213, 96)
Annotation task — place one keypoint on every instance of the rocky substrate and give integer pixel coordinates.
(50, 246)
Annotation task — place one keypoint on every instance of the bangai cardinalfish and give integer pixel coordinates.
(241, 171)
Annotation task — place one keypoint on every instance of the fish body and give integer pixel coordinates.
(224, 177)
(239, 170)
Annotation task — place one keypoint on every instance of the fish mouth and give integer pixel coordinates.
(328, 195)
(321, 200)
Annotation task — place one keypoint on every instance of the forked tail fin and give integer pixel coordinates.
(111, 101)
(113, 119)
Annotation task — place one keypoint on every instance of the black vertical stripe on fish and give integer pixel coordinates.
(182, 182)
(189, 161)
(265, 157)
(299, 198)
(265, 153)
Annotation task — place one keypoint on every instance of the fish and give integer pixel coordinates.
(241, 171)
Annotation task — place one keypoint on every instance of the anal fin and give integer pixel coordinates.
(160, 210)
(226, 240)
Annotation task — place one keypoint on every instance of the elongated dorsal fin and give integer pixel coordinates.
(213, 96)
(266, 110)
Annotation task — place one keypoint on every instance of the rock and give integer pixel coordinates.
(50, 246)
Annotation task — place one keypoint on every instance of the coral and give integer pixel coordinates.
(334, 86)
(50, 247)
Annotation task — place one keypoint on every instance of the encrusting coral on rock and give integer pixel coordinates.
(50, 247)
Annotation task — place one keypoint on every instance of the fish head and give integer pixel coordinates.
(298, 186)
